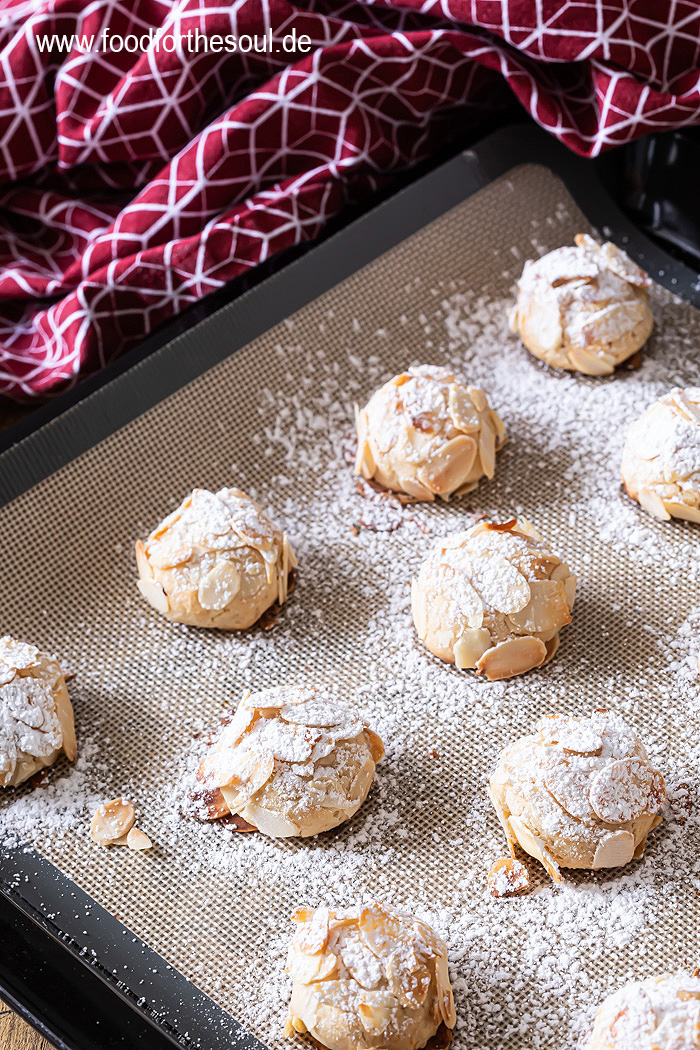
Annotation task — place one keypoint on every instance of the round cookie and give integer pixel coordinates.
(578, 793)
(293, 762)
(493, 598)
(217, 561)
(662, 1013)
(428, 434)
(36, 715)
(368, 978)
(583, 308)
(661, 458)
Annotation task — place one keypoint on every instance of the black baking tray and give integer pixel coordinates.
(68, 966)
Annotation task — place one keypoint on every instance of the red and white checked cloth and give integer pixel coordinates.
(133, 184)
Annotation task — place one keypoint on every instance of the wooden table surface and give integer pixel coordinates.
(14, 1033)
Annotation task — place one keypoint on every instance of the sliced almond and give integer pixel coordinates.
(569, 788)
(653, 504)
(534, 845)
(526, 528)
(416, 489)
(238, 792)
(154, 594)
(209, 804)
(504, 526)
(409, 978)
(448, 467)
(624, 790)
(682, 511)
(472, 645)
(478, 398)
(219, 587)
(516, 656)
(66, 720)
(311, 968)
(546, 611)
(570, 591)
(501, 814)
(498, 582)
(589, 363)
(551, 646)
(578, 737)
(615, 850)
(112, 820)
(446, 1003)
(376, 745)
(507, 877)
(138, 840)
(312, 937)
(487, 449)
(462, 412)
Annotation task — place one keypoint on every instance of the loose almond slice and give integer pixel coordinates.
(112, 820)
(516, 656)
(138, 840)
(508, 877)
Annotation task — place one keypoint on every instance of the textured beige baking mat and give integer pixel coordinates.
(274, 420)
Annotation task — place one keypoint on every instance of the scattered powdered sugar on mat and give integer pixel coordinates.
(528, 970)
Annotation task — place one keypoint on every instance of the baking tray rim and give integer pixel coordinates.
(137, 383)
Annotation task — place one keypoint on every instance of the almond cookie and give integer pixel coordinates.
(661, 458)
(662, 1013)
(583, 308)
(36, 715)
(368, 978)
(494, 598)
(578, 793)
(217, 561)
(427, 433)
(293, 762)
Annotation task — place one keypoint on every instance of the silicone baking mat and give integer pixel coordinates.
(275, 419)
